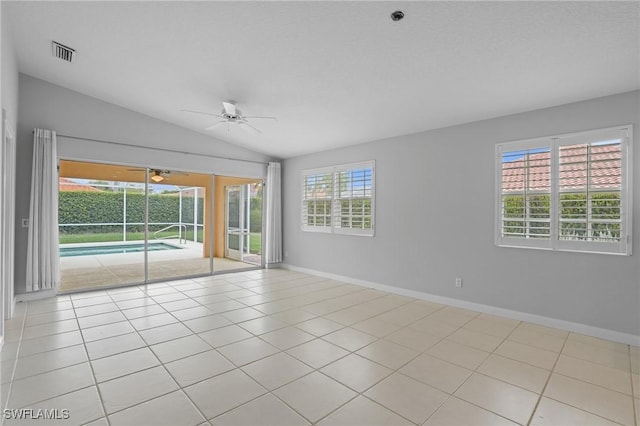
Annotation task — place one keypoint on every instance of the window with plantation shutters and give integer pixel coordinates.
(317, 198)
(526, 193)
(339, 199)
(566, 192)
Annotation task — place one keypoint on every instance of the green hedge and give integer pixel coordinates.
(605, 206)
(255, 213)
(107, 207)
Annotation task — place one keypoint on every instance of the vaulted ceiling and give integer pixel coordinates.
(333, 73)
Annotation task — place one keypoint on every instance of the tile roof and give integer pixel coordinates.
(67, 185)
(605, 169)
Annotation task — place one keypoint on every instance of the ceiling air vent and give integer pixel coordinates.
(63, 52)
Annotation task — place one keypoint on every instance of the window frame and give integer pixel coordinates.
(554, 143)
(335, 198)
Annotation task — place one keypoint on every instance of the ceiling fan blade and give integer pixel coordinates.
(229, 108)
(216, 124)
(200, 112)
(136, 170)
(248, 127)
(256, 116)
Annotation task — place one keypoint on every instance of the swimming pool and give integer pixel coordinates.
(91, 250)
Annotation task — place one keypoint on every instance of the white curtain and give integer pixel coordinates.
(274, 215)
(43, 263)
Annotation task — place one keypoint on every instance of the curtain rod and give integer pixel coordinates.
(159, 149)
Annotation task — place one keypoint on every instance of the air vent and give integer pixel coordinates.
(63, 52)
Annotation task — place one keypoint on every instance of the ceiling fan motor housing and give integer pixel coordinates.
(231, 117)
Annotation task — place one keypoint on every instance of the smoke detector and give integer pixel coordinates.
(397, 15)
(63, 52)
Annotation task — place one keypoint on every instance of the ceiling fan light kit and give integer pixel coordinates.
(157, 178)
(158, 175)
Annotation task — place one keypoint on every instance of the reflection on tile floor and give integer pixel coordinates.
(283, 348)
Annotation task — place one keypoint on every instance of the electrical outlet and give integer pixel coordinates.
(458, 282)
(25, 223)
(286, 254)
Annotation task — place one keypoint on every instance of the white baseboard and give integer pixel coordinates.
(35, 295)
(273, 265)
(603, 333)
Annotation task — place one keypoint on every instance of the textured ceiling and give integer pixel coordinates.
(334, 73)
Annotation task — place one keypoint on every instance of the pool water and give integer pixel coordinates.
(113, 249)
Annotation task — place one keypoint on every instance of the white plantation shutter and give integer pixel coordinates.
(525, 194)
(339, 199)
(353, 209)
(317, 197)
(566, 192)
(592, 191)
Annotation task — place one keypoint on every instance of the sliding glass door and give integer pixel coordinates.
(178, 244)
(130, 225)
(101, 218)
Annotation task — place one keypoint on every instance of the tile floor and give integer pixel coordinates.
(275, 347)
(93, 272)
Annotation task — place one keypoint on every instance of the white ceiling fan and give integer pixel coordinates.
(230, 114)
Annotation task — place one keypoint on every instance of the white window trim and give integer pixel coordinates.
(334, 170)
(624, 247)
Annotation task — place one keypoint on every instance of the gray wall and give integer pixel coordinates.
(435, 221)
(45, 105)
